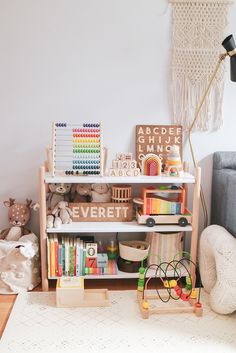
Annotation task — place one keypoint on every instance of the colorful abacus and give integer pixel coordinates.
(77, 149)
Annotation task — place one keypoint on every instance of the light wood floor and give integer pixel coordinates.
(7, 301)
(6, 304)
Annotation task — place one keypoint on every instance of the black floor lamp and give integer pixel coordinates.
(230, 47)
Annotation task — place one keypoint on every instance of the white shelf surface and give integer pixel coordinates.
(114, 227)
(142, 179)
(123, 275)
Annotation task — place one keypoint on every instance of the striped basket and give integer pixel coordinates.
(164, 247)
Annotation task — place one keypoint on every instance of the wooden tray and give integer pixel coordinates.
(96, 297)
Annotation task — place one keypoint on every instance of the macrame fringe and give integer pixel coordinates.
(198, 30)
(203, 1)
(186, 98)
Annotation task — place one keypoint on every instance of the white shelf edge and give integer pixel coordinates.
(142, 179)
(113, 227)
(123, 275)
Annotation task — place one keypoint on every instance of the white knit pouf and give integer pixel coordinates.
(217, 261)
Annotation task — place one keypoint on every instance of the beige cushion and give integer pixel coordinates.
(217, 260)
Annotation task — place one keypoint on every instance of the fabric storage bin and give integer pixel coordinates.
(164, 247)
(19, 264)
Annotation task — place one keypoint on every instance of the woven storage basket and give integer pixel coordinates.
(164, 247)
(133, 250)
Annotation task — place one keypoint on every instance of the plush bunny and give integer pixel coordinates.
(82, 193)
(57, 192)
(62, 214)
(19, 215)
(101, 193)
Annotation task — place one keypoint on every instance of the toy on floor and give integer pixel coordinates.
(70, 293)
(172, 290)
(19, 216)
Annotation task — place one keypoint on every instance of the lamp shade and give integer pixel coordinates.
(229, 45)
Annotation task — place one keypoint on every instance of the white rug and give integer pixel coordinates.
(36, 325)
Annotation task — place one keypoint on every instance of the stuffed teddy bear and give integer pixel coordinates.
(62, 214)
(82, 193)
(57, 192)
(100, 193)
(18, 215)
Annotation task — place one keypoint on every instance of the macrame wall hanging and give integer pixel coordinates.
(198, 30)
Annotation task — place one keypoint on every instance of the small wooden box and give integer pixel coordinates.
(101, 212)
(72, 297)
(69, 292)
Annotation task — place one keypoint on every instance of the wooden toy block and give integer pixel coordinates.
(124, 156)
(76, 296)
(124, 172)
(102, 260)
(124, 165)
(115, 164)
(133, 164)
(69, 291)
(91, 262)
(91, 250)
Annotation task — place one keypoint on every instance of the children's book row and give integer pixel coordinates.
(71, 256)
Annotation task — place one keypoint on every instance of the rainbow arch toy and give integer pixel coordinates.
(151, 165)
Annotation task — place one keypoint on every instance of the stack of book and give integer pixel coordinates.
(66, 256)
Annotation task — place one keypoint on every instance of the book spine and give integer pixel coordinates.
(60, 260)
(77, 258)
(74, 260)
(48, 257)
(71, 258)
(83, 260)
(52, 258)
(63, 258)
(56, 255)
(67, 261)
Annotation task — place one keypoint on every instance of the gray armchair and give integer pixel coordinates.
(223, 200)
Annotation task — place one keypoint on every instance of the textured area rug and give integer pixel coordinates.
(36, 325)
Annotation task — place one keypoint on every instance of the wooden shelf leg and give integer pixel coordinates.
(43, 226)
(195, 220)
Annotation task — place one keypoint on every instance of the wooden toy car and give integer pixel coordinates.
(164, 205)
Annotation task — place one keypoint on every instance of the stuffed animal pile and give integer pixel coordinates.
(19, 250)
(57, 205)
(60, 195)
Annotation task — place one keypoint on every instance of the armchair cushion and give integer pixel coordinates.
(223, 205)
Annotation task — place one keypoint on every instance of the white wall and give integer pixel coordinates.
(80, 60)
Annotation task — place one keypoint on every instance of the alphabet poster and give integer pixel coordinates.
(157, 139)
